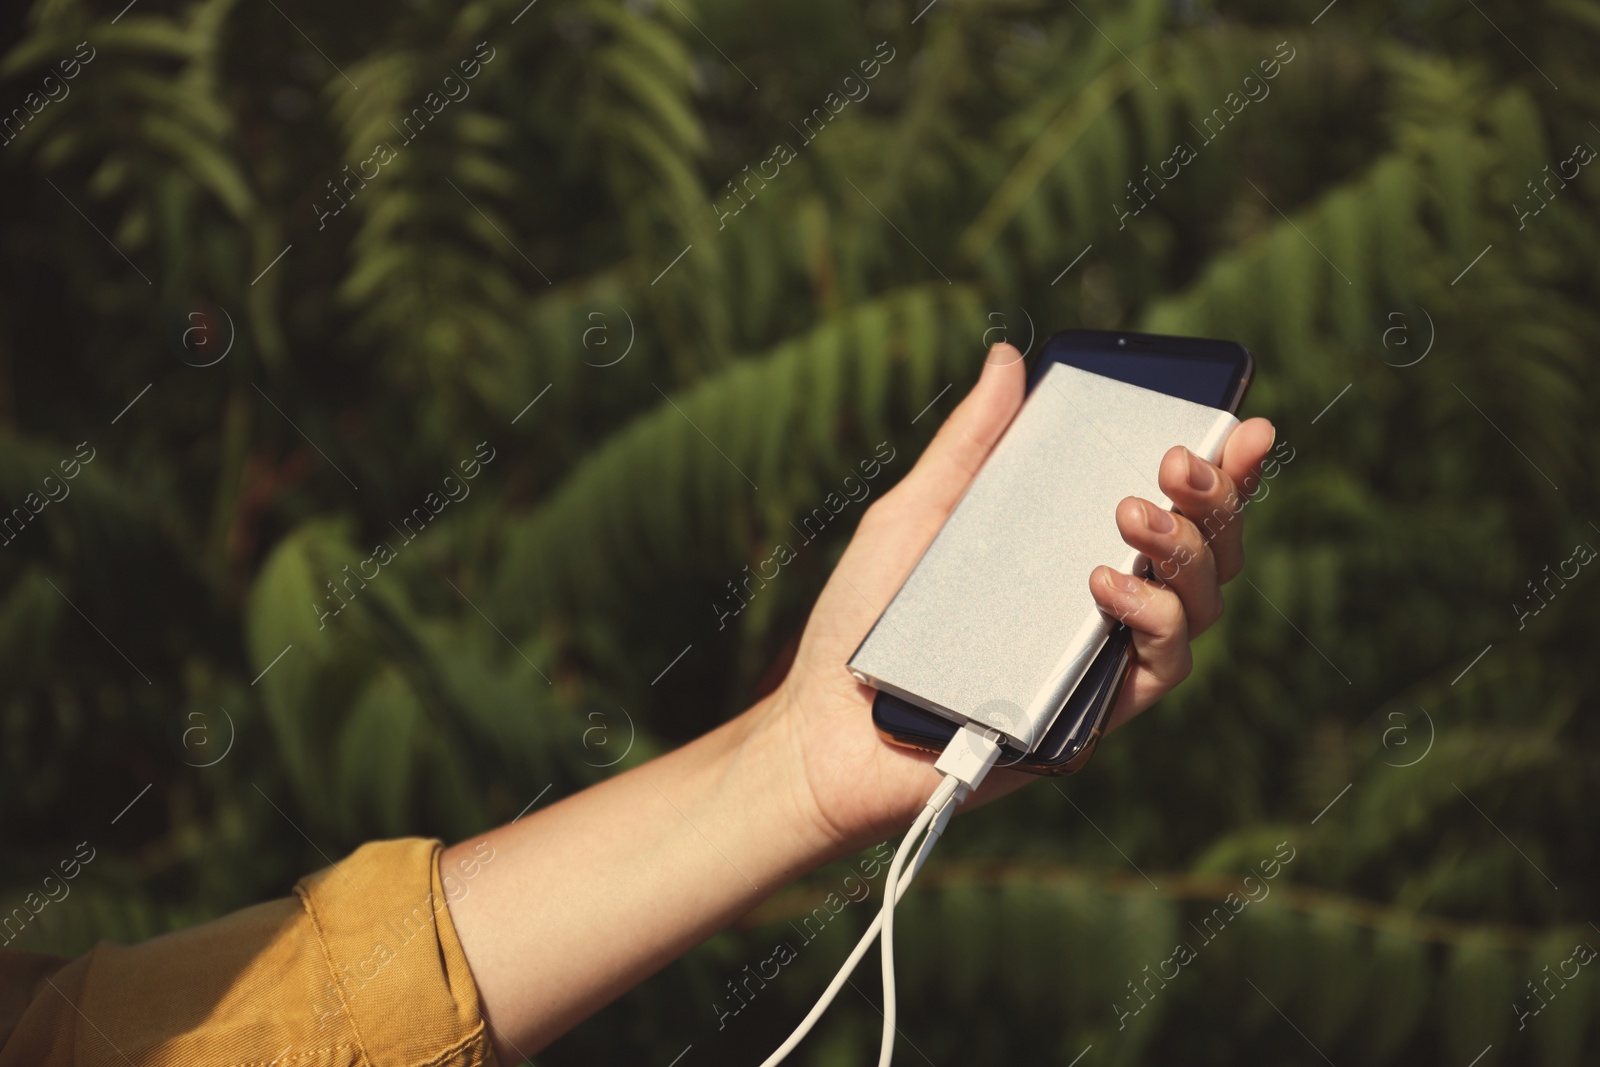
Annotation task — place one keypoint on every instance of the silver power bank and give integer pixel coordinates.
(995, 624)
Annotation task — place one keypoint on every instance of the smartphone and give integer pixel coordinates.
(1214, 373)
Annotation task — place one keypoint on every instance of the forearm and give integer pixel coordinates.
(589, 896)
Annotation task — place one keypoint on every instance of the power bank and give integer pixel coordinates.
(995, 624)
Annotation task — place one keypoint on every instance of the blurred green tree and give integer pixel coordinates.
(573, 257)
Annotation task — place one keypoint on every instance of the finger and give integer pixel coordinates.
(1211, 503)
(1209, 493)
(1160, 636)
(1246, 447)
(1179, 558)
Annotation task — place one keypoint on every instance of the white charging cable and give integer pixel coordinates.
(857, 953)
(965, 762)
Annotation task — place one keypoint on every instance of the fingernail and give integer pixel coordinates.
(1158, 520)
(1201, 476)
(1125, 583)
(997, 358)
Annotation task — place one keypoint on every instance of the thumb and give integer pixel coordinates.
(896, 530)
(967, 437)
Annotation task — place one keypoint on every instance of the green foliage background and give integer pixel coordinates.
(468, 279)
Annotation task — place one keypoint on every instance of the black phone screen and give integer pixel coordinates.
(1213, 373)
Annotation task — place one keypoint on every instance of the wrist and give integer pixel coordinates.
(774, 747)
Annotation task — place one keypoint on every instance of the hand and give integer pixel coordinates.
(591, 893)
(859, 788)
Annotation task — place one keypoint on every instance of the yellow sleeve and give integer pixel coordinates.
(360, 967)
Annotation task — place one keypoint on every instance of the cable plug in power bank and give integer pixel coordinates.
(995, 624)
